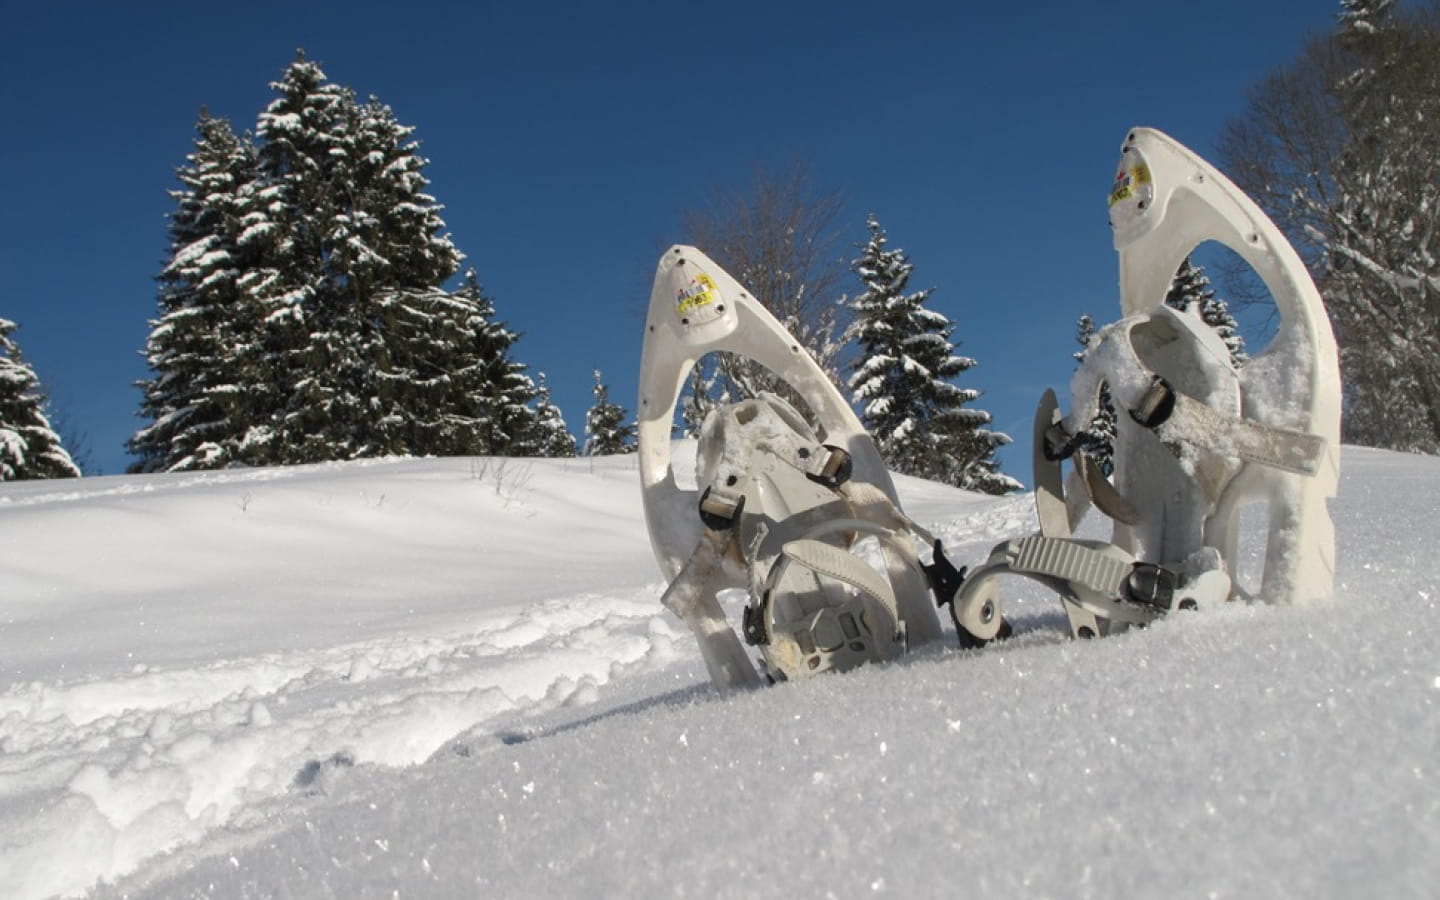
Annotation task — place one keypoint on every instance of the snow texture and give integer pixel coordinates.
(452, 678)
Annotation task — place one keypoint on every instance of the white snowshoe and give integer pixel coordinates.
(780, 504)
(1196, 438)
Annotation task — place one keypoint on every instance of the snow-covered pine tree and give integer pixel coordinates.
(902, 380)
(429, 375)
(1099, 438)
(339, 340)
(551, 437)
(364, 238)
(193, 399)
(607, 426)
(502, 403)
(1191, 288)
(29, 447)
(301, 135)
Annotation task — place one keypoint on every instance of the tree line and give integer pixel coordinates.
(303, 312)
(303, 315)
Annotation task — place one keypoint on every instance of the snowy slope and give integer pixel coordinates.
(452, 678)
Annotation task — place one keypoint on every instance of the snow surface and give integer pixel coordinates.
(452, 678)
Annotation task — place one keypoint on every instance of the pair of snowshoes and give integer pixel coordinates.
(796, 507)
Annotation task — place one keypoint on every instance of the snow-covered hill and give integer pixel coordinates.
(452, 678)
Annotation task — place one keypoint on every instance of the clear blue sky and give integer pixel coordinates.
(566, 140)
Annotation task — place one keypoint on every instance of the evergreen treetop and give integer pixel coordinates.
(1362, 16)
(901, 379)
(607, 429)
(550, 436)
(29, 447)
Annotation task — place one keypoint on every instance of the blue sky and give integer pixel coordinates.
(566, 141)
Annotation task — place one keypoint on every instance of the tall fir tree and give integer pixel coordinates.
(502, 402)
(29, 447)
(1098, 439)
(1191, 289)
(193, 397)
(307, 284)
(608, 429)
(902, 380)
(297, 337)
(363, 237)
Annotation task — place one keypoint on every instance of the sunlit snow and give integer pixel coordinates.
(452, 678)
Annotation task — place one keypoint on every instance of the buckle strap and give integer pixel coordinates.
(1178, 419)
(1069, 561)
(831, 468)
(721, 509)
(1156, 405)
(1278, 448)
(831, 561)
(1059, 444)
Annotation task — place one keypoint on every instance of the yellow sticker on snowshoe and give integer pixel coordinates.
(1127, 181)
(701, 291)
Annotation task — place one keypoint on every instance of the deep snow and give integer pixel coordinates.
(452, 678)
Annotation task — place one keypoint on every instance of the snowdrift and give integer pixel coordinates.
(452, 678)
